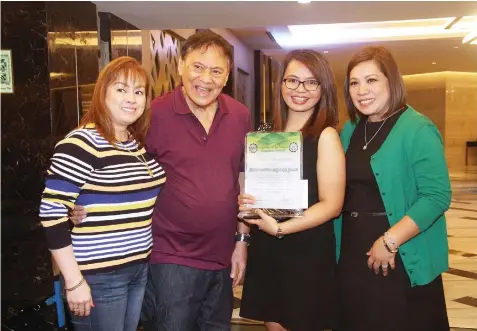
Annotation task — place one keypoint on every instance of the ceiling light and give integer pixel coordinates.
(452, 22)
(433, 62)
(467, 23)
(470, 37)
(326, 52)
(295, 36)
(456, 46)
(304, 1)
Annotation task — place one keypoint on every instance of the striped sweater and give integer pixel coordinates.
(117, 191)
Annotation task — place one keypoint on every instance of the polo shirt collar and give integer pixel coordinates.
(181, 106)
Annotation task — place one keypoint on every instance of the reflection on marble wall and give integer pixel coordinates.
(54, 50)
(269, 71)
(73, 61)
(163, 60)
(126, 39)
(26, 112)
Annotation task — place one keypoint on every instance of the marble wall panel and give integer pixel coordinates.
(26, 112)
(126, 39)
(73, 61)
(55, 62)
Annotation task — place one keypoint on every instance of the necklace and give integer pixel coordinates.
(142, 159)
(366, 142)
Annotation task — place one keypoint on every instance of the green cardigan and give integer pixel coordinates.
(411, 171)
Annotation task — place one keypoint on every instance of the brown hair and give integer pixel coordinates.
(326, 110)
(98, 113)
(388, 66)
(205, 39)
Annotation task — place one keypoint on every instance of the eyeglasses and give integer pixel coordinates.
(309, 85)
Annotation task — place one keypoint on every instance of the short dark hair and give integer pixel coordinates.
(205, 39)
(326, 110)
(388, 66)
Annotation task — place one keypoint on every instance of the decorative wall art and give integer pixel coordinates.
(165, 54)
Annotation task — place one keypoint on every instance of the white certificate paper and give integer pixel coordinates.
(273, 170)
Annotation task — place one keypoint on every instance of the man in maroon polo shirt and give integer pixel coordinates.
(198, 135)
(199, 250)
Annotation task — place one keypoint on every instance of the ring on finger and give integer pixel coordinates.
(385, 266)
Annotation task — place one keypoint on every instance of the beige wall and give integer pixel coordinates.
(427, 94)
(461, 118)
(449, 99)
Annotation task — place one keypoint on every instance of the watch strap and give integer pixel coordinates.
(245, 237)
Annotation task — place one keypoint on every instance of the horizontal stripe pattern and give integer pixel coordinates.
(113, 184)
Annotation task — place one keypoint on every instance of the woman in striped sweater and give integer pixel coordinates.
(103, 166)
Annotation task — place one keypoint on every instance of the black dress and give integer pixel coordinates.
(370, 302)
(291, 280)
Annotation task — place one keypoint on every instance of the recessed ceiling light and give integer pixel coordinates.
(304, 1)
(433, 62)
(298, 36)
(326, 52)
(456, 46)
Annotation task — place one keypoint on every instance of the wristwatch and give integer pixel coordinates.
(245, 237)
(279, 233)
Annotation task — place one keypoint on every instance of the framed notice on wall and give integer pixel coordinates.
(6, 71)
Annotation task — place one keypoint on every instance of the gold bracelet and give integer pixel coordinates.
(387, 247)
(391, 240)
(76, 286)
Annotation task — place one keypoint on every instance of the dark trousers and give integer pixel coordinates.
(180, 298)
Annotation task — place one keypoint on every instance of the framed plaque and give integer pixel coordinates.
(274, 174)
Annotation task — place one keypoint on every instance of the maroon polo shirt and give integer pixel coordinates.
(195, 215)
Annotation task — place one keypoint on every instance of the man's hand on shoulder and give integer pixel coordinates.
(77, 214)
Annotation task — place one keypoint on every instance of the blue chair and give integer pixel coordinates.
(57, 297)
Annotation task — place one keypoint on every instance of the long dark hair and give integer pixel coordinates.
(326, 110)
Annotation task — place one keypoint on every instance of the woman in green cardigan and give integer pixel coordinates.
(391, 237)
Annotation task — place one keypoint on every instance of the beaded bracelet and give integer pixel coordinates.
(76, 286)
